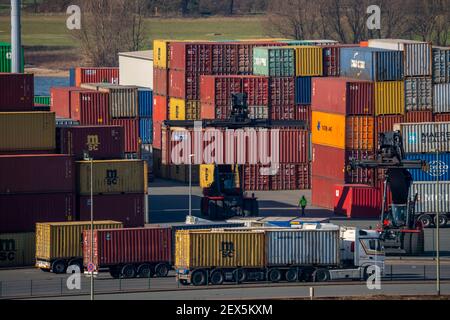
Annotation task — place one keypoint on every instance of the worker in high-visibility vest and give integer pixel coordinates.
(302, 204)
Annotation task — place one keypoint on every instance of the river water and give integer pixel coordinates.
(42, 85)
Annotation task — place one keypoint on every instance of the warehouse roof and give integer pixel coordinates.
(145, 55)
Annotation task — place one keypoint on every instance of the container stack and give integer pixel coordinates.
(79, 76)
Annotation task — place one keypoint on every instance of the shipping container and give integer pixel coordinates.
(160, 108)
(282, 91)
(258, 112)
(308, 61)
(418, 93)
(372, 64)
(328, 129)
(191, 56)
(184, 84)
(17, 92)
(389, 97)
(417, 55)
(418, 116)
(438, 166)
(385, 123)
(288, 112)
(225, 249)
(303, 90)
(37, 174)
(112, 177)
(42, 100)
(257, 90)
(118, 247)
(225, 58)
(60, 100)
(432, 197)
(100, 142)
(322, 192)
(130, 209)
(145, 102)
(425, 137)
(161, 81)
(157, 134)
(27, 131)
(96, 75)
(441, 65)
(299, 247)
(5, 58)
(63, 240)
(343, 96)
(20, 212)
(17, 249)
(180, 173)
(177, 109)
(442, 117)
(90, 107)
(131, 127)
(291, 177)
(123, 100)
(160, 54)
(360, 133)
(253, 179)
(146, 130)
(357, 201)
(274, 62)
(218, 90)
(332, 57)
(441, 101)
(245, 53)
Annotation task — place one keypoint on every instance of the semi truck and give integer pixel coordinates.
(307, 252)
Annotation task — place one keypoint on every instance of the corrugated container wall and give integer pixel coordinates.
(112, 177)
(17, 92)
(386, 123)
(131, 127)
(438, 167)
(225, 249)
(90, 107)
(432, 198)
(27, 131)
(389, 97)
(161, 81)
(123, 100)
(441, 65)
(308, 61)
(96, 75)
(145, 102)
(60, 100)
(418, 116)
(425, 137)
(62, 240)
(282, 91)
(302, 247)
(328, 129)
(143, 245)
(146, 130)
(357, 201)
(17, 249)
(441, 101)
(274, 62)
(303, 90)
(359, 133)
(323, 193)
(5, 58)
(418, 94)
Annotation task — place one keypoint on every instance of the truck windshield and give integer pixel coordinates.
(372, 246)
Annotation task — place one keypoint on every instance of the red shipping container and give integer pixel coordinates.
(90, 107)
(386, 123)
(357, 201)
(101, 142)
(60, 102)
(282, 91)
(131, 129)
(21, 212)
(217, 90)
(129, 246)
(160, 81)
(96, 75)
(332, 57)
(225, 58)
(442, 117)
(189, 56)
(157, 132)
(419, 116)
(245, 54)
(303, 112)
(322, 192)
(184, 84)
(343, 96)
(253, 179)
(160, 108)
(257, 90)
(17, 92)
(130, 209)
(291, 177)
(37, 174)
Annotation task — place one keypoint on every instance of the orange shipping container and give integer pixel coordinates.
(360, 133)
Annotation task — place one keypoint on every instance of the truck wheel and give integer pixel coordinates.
(114, 272)
(239, 275)
(128, 271)
(274, 275)
(77, 263)
(183, 282)
(442, 220)
(306, 274)
(291, 275)
(59, 267)
(321, 275)
(161, 270)
(216, 278)
(426, 221)
(144, 271)
(198, 278)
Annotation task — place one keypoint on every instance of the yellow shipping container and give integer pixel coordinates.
(360, 133)
(206, 175)
(177, 109)
(309, 61)
(27, 131)
(113, 177)
(218, 248)
(17, 249)
(328, 129)
(193, 109)
(160, 54)
(63, 240)
(389, 97)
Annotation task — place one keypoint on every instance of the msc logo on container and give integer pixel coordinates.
(111, 177)
(93, 142)
(227, 249)
(438, 169)
(7, 250)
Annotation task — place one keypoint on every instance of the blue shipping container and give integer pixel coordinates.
(146, 130)
(372, 64)
(145, 102)
(439, 168)
(72, 77)
(303, 90)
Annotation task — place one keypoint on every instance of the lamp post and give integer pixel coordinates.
(438, 207)
(16, 52)
(190, 184)
(91, 262)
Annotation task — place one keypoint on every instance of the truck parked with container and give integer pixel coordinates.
(59, 244)
(130, 253)
(315, 252)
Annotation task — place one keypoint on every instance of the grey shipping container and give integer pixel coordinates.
(259, 112)
(441, 64)
(441, 100)
(432, 197)
(302, 247)
(418, 93)
(123, 100)
(425, 137)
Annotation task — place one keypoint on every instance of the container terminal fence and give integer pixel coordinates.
(57, 287)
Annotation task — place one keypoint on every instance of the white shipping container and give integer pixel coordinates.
(136, 68)
(419, 93)
(302, 247)
(432, 197)
(425, 137)
(441, 100)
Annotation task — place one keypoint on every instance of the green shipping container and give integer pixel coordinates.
(5, 58)
(45, 100)
(274, 61)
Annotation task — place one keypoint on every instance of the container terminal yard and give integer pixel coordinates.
(231, 169)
